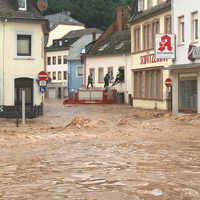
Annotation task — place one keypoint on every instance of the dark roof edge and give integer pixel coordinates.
(56, 49)
(23, 18)
(154, 10)
(107, 55)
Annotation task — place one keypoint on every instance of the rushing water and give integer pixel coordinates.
(93, 169)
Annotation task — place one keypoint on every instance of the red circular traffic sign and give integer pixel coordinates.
(42, 76)
(168, 82)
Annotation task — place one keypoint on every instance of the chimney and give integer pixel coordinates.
(94, 36)
(119, 19)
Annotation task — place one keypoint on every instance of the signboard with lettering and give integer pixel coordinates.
(150, 58)
(165, 46)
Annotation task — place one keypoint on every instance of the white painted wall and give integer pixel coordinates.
(60, 30)
(12, 67)
(114, 61)
(185, 8)
(58, 67)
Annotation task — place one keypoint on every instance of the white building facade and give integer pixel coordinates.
(56, 69)
(185, 70)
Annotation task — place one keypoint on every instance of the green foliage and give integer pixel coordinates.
(92, 13)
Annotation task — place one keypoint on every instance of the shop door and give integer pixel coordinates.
(188, 95)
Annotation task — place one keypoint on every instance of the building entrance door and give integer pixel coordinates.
(27, 84)
(188, 93)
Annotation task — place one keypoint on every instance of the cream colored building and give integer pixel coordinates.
(61, 24)
(148, 73)
(21, 55)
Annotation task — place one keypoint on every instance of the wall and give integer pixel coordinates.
(74, 81)
(185, 8)
(14, 67)
(114, 61)
(58, 67)
(136, 63)
(60, 30)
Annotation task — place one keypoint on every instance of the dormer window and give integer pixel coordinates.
(60, 43)
(22, 5)
(140, 5)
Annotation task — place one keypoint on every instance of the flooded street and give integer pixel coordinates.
(121, 153)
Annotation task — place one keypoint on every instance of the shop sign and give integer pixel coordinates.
(150, 58)
(165, 46)
(193, 52)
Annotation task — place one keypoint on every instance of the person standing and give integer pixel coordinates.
(90, 80)
(106, 80)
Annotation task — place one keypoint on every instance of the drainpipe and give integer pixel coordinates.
(3, 54)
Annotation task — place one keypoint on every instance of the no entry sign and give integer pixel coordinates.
(168, 82)
(42, 76)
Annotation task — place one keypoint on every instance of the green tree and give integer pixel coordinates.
(92, 13)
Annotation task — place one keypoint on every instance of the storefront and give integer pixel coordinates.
(149, 78)
(186, 84)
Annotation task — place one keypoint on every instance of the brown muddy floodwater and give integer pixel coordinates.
(122, 156)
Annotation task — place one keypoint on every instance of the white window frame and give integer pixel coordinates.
(23, 8)
(32, 45)
(101, 81)
(140, 5)
(77, 71)
(181, 24)
(194, 19)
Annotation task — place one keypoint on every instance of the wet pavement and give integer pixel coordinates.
(120, 168)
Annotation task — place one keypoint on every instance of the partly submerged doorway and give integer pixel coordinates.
(188, 93)
(27, 84)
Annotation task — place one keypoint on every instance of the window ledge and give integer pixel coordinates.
(24, 58)
(194, 42)
(180, 45)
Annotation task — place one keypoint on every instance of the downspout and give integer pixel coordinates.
(3, 54)
(84, 63)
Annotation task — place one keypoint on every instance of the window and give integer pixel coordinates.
(147, 37)
(161, 1)
(155, 30)
(54, 60)
(137, 39)
(168, 28)
(121, 71)
(149, 4)
(140, 5)
(60, 42)
(92, 71)
(49, 74)
(64, 59)
(22, 4)
(100, 75)
(79, 71)
(54, 75)
(110, 71)
(195, 27)
(59, 75)
(148, 84)
(49, 60)
(59, 60)
(181, 30)
(24, 45)
(65, 75)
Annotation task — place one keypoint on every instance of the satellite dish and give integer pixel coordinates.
(42, 5)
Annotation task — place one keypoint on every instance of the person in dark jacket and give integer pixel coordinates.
(106, 80)
(90, 80)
